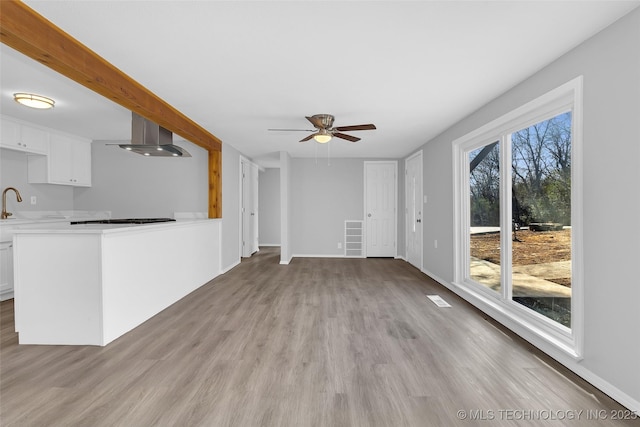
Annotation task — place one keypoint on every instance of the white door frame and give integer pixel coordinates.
(416, 155)
(255, 207)
(250, 164)
(395, 204)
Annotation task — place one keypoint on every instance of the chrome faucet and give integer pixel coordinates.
(6, 214)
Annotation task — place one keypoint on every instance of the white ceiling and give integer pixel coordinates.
(238, 68)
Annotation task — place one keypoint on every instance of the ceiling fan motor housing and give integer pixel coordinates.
(325, 119)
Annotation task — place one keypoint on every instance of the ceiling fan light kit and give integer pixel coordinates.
(325, 132)
(322, 136)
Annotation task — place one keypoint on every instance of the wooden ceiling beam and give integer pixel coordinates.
(30, 33)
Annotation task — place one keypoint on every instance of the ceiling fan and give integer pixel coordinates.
(324, 130)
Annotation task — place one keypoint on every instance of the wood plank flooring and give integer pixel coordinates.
(320, 342)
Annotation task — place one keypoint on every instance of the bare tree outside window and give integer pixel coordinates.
(541, 182)
(540, 176)
(484, 211)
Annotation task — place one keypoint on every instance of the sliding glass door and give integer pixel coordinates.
(516, 214)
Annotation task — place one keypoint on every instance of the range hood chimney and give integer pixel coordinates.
(150, 139)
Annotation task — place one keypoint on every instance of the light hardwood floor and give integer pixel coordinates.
(320, 342)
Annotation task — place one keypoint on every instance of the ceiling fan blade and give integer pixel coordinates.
(293, 130)
(355, 127)
(307, 138)
(315, 121)
(345, 136)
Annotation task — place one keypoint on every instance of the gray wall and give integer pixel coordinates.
(401, 232)
(231, 226)
(13, 173)
(610, 63)
(323, 197)
(269, 207)
(285, 208)
(132, 185)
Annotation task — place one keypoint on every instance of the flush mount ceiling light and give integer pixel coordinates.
(34, 101)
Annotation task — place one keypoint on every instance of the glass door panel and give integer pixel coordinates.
(541, 209)
(484, 216)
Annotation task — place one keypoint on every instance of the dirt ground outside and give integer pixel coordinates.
(531, 247)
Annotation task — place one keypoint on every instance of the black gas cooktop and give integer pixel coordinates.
(124, 221)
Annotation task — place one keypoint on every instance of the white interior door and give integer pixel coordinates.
(249, 209)
(413, 209)
(254, 207)
(245, 208)
(380, 208)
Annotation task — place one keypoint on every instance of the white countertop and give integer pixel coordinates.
(67, 228)
(58, 222)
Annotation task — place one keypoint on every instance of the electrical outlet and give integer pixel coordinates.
(339, 245)
(435, 244)
(34, 200)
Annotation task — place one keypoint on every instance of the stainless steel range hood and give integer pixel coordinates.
(150, 139)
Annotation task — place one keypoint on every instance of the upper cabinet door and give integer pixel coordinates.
(10, 135)
(61, 160)
(81, 161)
(34, 140)
(69, 161)
(21, 137)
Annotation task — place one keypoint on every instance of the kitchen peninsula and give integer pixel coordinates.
(89, 283)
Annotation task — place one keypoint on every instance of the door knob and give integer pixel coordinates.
(369, 215)
(418, 220)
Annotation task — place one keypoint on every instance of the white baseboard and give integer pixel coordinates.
(285, 261)
(269, 244)
(560, 356)
(230, 267)
(318, 256)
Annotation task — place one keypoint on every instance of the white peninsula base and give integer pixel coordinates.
(88, 285)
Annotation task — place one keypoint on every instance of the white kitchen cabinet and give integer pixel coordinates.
(21, 137)
(6, 270)
(68, 162)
